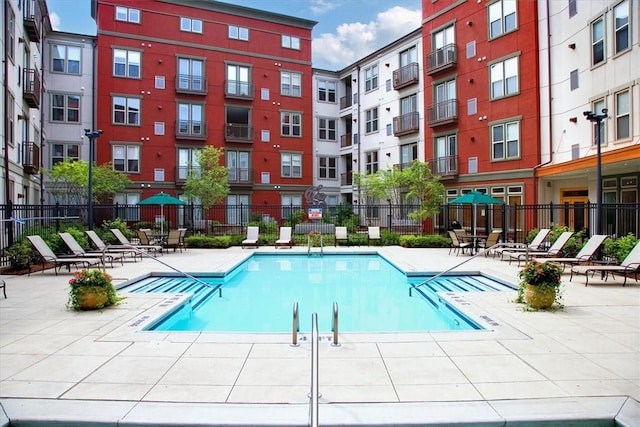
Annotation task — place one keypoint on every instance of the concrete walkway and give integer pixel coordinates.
(582, 362)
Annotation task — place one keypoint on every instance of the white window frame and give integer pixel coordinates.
(327, 129)
(510, 139)
(290, 84)
(65, 146)
(65, 108)
(189, 81)
(597, 107)
(598, 41)
(371, 78)
(190, 25)
(192, 115)
(239, 85)
(127, 14)
(623, 113)
(66, 59)
(291, 165)
(372, 162)
(504, 75)
(126, 153)
(130, 60)
(238, 33)
(290, 42)
(623, 29)
(290, 124)
(499, 12)
(129, 105)
(327, 168)
(188, 161)
(159, 82)
(327, 91)
(371, 120)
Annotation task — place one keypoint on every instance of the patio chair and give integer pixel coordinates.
(457, 245)
(554, 250)
(78, 250)
(253, 235)
(3, 286)
(124, 241)
(342, 235)
(373, 233)
(173, 240)
(101, 246)
(535, 245)
(631, 264)
(584, 256)
(183, 233)
(492, 240)
(47, 255)
(285, 238)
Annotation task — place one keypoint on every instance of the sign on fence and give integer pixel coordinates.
(314, 213)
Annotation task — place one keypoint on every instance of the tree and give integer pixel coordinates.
(210, 182)
(70, 181)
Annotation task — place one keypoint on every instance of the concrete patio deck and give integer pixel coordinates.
(579, 363)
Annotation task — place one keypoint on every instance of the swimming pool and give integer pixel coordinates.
(258, 296)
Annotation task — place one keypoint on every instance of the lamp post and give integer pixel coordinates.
(597, 119)
(92, 135)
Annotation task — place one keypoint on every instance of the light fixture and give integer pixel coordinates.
(597, 119)
(572, 46)
(388, 108)
(386, 64)
(573, 119)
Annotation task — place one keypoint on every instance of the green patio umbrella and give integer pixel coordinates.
(161, 199)
(475, 198)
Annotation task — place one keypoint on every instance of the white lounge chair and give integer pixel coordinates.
(285, 238)
(583, 256)
(535, 245)
(253, 235)
(554, 250)
(47, 255)
(373, 234)
(342, 235)
(631, 264)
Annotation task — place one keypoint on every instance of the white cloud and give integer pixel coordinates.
(352, 41)
(55, 21)
(319, 7)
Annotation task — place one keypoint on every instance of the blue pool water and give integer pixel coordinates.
(259, 295)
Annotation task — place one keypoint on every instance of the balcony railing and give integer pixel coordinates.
(346, 140)
(403, 166)
(240, 176)
(345, 102)
(236, 132)
(30, 157)
(190, 129)
(442, 113)
(31, 87)
(32, 17)
(184, 171)
(188, 83)
(406, 76)
(346, 178)
(444, 167)
(406, 124)
(442, 59)
(238, 89)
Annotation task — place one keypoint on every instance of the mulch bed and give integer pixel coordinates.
(34, 268)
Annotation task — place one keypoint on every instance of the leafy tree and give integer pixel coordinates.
(209, 183)
(70, 181)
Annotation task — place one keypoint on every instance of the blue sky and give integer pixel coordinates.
(346, 31)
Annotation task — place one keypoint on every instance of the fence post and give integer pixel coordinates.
(505, 222)
(8, 223)
(57, 216)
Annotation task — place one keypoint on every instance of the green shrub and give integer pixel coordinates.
(426, 241)
(389, 238)
(118, 223)
(202, 241)
(20, 255)
(618, 249)
(80, 236)
(575, 243)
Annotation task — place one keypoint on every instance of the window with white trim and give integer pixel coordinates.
(158, 128)
(505, 141)
(11, 34)
(573, 8)
(191, 25)
(188, 162)
(126, 111)
(11, 112)
(126, 63)
(159, 82)
(191, 74)
(125, 158)
(238, 33)
(290, 123)
(327, 168)
(502, 18)
(327, 90)
(291, 165)
(504, 78)
(65, 59)
(290, 83)
(327, 129)
(621, 26)
(371, 78)
(623, 125)
(291, 42)
(597, 108)
(597, 41)
(371, 162)
(238, 80)
(127, 14)
(128, 208)
(65, 108)
(371, 120)
(61, 152)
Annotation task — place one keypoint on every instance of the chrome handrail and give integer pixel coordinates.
(296, 326)
(334, 325)
(313, 410)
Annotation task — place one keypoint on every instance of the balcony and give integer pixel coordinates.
(406, 76)
(442, 113)
(240, 176)
(406, 124)
(346, 140)
(189, 129)
(403, 166)
(31, 87)
(237, 89)
(190, 84)
(30, 157)
(442, 59)
(345, 102)
(236, 132)
(445, 167)
(183, 173)
(32, 17)
(346, 178)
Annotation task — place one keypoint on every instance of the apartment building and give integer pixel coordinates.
(175, 76)
(589, 61)
(24, 23)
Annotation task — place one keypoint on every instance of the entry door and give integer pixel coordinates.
(577, 216)
(445, 92)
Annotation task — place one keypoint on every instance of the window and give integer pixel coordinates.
(573, 78)
(573, 8)
(291, 164)
(326, 91)
(408, 153)
(238, 33)
(622, 115)
(126, 111)
(408, 56)
(597, 108)
(128, 206)
(238, 80)
(191, 25)
(371, 159)
(505, 141)
(502, 17)
(597, 41)
(190, 119)
(291, 203)
(65, 108)
(158, 128)
(191, 74)
(238, 165)
(371, 78)
(471, 49)
(291, 42)
(66, 59)
(126, 158)
(127, 14)
(327, 168)
(11, 34)
(160, 84)
(291, 124)
(472, 106)
(126, 63)
(327, 129)
(11, 112)
(446, 150)
(371, 120)
(290, 83)
(504, 78)
(265, 135)
(63, 152)
(621, 25)
(188, 162)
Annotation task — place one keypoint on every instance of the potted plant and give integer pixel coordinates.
(539, 284)
(91, 289)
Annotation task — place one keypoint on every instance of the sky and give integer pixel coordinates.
(347, 30)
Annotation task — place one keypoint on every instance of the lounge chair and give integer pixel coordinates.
(101, 246)
(535, 245)
(554, 250)
(47, 255)
(342, 235)
(124, 241)
(631, 264)
(585, 255)
(79, 251)
(173, 240)
(253, 235)
(285, 238)
(373, 233)
(457, 245)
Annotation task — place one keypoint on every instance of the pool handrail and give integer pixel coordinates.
(296, 326)
(442, 273)
(314, 394)
(334, 325)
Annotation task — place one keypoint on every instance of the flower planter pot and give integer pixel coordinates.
(92, 298)
(539, 297)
